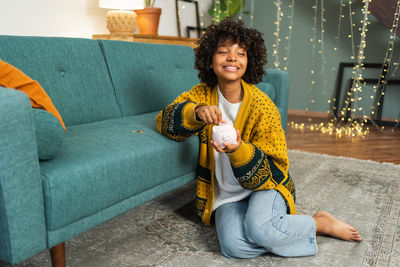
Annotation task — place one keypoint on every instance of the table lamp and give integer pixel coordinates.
(120, 17)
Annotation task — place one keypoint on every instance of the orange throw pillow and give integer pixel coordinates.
(11, 77)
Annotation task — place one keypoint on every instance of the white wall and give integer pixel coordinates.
(77, 18)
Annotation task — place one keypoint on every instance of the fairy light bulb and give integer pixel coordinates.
(241, 10)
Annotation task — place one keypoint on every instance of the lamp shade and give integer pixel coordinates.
(122, 4)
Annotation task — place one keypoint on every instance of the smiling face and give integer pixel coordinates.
(229, 62)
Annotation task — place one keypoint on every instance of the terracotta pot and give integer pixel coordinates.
(148, 19)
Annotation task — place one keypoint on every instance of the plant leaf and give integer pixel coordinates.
(234, 7)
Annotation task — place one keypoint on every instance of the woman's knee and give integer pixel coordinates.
(232, 250)
(239, 249)
(263, 234)
(255, 232)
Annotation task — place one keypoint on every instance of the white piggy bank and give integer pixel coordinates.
(224, 132)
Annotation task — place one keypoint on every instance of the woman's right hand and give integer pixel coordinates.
(209, 114)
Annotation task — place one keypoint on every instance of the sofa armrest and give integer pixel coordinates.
(280, 80)
(22, 221)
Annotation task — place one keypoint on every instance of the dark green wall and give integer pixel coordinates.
(300, 60)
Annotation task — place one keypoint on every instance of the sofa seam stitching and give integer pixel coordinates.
(102, 49)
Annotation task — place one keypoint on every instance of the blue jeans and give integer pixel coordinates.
(260, 224)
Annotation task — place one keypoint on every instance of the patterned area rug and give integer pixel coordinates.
(166, 232)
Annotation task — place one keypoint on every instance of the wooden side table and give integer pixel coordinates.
(143, 38)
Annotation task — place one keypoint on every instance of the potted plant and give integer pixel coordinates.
(148, 18)
(226, 8)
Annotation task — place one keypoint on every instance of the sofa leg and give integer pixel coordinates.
(58, 255)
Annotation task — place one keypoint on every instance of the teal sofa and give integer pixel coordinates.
(112, 159)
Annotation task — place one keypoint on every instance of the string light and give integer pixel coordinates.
(275, 51)
(336, 49)
(241, 10)
(251, 13)
(289, 36)
(354, 129)
(356, 88)
(313, 53)
(322, 51)
(217, 10)
(361, 56)
(351, 127)
(351, 36)
(387, 62)
(202, 16)
(277, 34)
(339, 24)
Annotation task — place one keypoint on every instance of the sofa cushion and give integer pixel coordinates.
(141, 70)
(72, 71)
(49, 133)
(14, 78)
(267, 88)
(103, 163)
(280, 81)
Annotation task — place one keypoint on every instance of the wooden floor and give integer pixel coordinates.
(377, 145)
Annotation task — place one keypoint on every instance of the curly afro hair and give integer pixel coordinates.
(229, 30)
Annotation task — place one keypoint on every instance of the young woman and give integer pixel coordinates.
(247, 185)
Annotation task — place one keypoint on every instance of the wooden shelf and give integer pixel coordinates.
(143, 38)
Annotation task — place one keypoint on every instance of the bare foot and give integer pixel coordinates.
(329, 225)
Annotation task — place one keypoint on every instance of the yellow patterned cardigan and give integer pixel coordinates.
(261, 161)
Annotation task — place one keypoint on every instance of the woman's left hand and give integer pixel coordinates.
(229, 148)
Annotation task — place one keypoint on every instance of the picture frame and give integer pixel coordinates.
(344, 84)
(188, 21)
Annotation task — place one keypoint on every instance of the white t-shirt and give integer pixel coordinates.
(226, 188)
